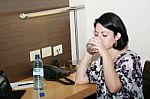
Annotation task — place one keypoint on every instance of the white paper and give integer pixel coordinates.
(22, 85)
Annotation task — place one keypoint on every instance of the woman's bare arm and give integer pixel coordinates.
(81, 77)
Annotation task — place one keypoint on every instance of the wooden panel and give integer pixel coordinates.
(19, 37)
(14, 6)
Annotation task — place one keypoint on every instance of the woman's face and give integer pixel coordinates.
(106, 36)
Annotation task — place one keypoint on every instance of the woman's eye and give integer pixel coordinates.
(104, 35)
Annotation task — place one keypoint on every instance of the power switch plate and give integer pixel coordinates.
(47, 51)
(57, 49)
(33, 53)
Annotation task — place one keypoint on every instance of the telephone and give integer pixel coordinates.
(54, 73)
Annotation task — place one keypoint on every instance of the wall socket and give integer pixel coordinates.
(33, 53)
(57, 50)
(47, 51)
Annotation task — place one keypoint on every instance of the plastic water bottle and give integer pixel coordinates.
(38, 76)
(39, 94)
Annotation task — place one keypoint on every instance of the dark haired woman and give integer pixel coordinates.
(117, 72)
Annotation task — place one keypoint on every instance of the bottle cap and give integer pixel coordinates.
(42, 94)
(37, 56)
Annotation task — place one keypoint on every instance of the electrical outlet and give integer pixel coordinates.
(57, 49)
(47, 51)
(33, 53)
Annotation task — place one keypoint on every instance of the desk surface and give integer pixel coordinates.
(56, 90)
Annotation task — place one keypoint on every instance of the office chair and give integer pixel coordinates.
(146, 80)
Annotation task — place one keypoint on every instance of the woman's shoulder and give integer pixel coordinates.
(129, 54)
(129, 59)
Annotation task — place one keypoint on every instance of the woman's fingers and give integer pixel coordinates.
(94, 45)
(95, 40)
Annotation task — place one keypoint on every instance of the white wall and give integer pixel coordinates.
(134, 13)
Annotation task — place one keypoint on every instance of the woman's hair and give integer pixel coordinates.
(114, 23)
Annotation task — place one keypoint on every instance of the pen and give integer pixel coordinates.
(24, 84)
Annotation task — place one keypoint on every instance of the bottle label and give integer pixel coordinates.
(38, 71)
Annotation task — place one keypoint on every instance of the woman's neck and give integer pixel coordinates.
(115, 53)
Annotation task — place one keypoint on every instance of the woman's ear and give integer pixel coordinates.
(118, 36)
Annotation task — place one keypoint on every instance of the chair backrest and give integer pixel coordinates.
(146, 80)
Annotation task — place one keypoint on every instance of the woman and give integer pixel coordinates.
(117, 72)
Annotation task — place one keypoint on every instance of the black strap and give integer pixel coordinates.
(67, 82)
